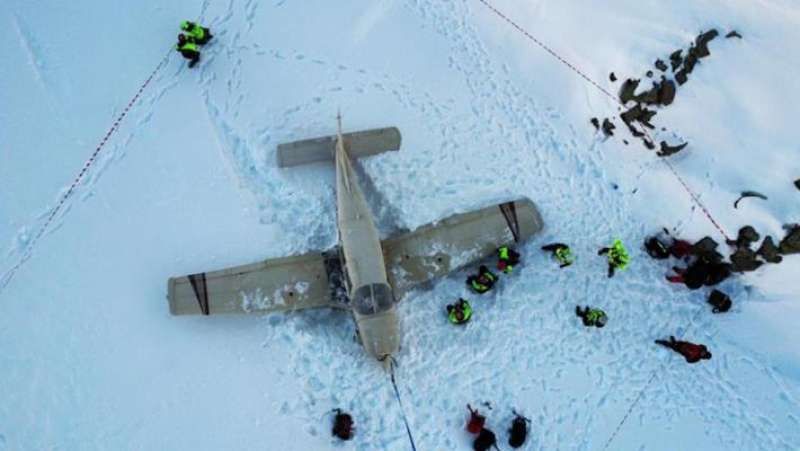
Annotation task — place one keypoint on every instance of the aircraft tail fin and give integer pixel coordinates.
(358, 144)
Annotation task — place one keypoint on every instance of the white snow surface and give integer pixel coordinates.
(91, 359)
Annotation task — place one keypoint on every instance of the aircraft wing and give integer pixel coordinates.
(437, 249)
(280, 284)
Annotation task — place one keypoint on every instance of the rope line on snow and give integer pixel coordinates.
(583, 75)
(400, 403)
(644, 388)
(27, 251)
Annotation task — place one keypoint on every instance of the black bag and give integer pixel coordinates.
(485, 440)
(721, 301)
(518, 432)
(342, 425)
(656, 248)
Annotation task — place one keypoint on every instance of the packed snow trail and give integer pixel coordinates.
(29, 246)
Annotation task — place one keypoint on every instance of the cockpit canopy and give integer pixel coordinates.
(373, 299)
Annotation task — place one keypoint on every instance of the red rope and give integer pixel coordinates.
(686, 187)
(114, 127)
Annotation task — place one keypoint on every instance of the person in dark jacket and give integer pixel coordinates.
(342, 425)
(485, 440)
(693, 353)
(518, 432)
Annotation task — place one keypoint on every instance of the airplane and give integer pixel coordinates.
(364, 274)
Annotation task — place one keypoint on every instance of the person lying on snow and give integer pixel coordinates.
(483, 282)
(662, 246)
(342, 425)
(485, 440)
(701, 272)
(189, 49)
(591, 316)
(618, 257)
(693, 353)
(201, 35)
(460, 312)
(506, 259)
(518, 432)
(561, 252)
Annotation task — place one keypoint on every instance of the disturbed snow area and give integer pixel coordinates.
(91, 358)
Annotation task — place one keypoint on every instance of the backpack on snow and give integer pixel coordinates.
(519, 431)
(656, 249)
(721, 301)
(485, 440)
(342, 425)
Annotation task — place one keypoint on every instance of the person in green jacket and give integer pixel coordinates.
(460, 313)
(561, 252)
(201, 35)
(618, 257)
(506, 259)
(188, 49)
(483, 282)
(591, 316)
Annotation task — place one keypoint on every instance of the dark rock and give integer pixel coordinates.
(625, 141)
(744, 260)
(680, 77)
(661, 65)
(667, 150)
(790, 244)
(701, 43)
(676, 59)
(626, 92)
(612, 77)
(595, 122)
(733, 34)
(690, 61)
(797, 183)
(666, 92)
(649, 97)
(747, 236)
(769, 251)
(649, 74)
(608, 127)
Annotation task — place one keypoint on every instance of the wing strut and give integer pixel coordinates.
(198, 282)
(510, 213)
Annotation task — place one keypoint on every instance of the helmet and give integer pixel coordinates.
(181, 37)
(601, 321)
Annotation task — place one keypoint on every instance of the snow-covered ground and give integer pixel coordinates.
(91, 359)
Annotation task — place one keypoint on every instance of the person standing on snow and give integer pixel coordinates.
(506, 259)
(561, 252)
(693, 353)
(201, 35)
(591, 316)
(189, 49)
(618, 257)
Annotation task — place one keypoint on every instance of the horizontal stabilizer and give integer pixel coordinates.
(358, 145)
